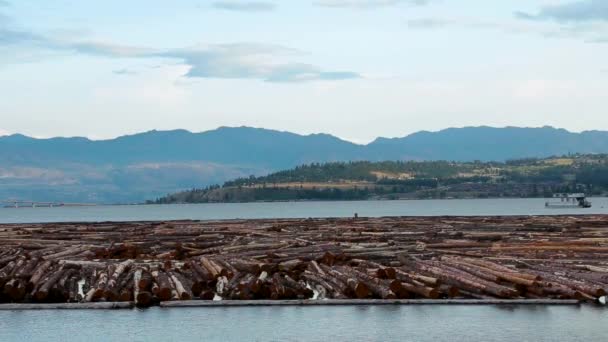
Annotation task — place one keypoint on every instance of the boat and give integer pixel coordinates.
(565, 200)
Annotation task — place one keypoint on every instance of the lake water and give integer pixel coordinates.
(526, 206)
(361, 323)
(366, 323)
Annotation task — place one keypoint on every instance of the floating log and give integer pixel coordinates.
(534, 257)
(43, 292)
(164, 285)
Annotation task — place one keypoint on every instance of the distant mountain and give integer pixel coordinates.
(489, 143)
(137, 167)
(240, 145)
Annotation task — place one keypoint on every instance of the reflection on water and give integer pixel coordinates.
(535, 206)
(359, 323)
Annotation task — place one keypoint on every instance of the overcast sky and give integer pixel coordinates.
(357, 69)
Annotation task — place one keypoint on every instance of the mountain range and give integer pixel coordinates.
(143, 166)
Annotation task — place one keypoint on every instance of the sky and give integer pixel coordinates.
(357, 69)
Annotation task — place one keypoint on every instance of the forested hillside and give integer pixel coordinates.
(432, 179)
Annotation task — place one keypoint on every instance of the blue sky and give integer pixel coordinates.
(354, 68)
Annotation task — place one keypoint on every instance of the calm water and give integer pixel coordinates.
(294, 209)
(373, 323)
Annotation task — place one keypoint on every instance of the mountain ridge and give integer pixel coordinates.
(224, 128)
(132, 168)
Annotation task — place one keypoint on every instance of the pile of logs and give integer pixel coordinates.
(559, 257)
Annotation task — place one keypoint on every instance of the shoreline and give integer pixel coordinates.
(292, 201)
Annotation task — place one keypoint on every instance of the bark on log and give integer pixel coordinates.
(43, 291)
(164, 285)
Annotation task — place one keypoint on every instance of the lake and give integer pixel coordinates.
(361, 323)
(366, 323)
(527, 206)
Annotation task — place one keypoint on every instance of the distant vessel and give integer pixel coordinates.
(578, 200)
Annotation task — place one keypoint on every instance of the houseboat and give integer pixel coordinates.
(563, 200)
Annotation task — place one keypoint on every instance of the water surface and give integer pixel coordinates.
(360, 323)
(367, 323)
(527, 206)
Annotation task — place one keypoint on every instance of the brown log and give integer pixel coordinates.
(290, 265)
(144, 299)
(100, 285)
(467, 281)
(20, 263)
(476, 271)
(145, 281)
(429, 281)
(354, 286)
(39, 273)
(73, 290)
(183, 291)
(67, 252)
(27, 271)
(211, 267)
(205, 275)
(405, 287)
(7, 270)
(246, 266)
(374, 285)
(6, 260)
(207, 295)
(315, 268)
(381, 271)
(61, 290)
(448, 290)
(503, 269)
(15, 289)
(164, 285)
(120, 269)
(588, 289)
(330, 289)
(43, 292)
(225, 268)
(126, 293)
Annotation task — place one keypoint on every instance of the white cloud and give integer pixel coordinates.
(252, 61)
(267, 62)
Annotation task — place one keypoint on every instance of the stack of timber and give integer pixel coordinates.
(533, 257)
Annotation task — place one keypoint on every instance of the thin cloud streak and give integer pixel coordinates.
(239, 6)
(125, 72)
(588, 33)
(578, 11)
(368, 4)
